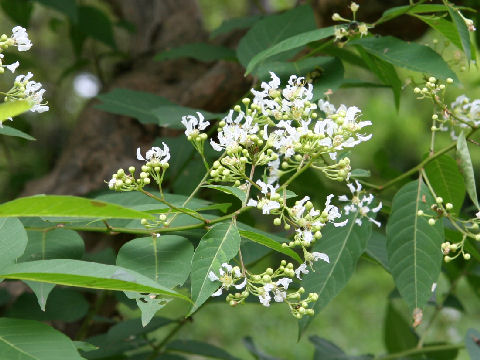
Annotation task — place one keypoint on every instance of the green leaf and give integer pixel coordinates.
(9, 131)
(472, 343)
(166, 259)
(413, 246)
(148, 108)
(385, 72)
(55, 244)
(344, 246)
(64, 305)
(467, 168)
(67, 206)
(412, 56)
(255, 351)
(124, 336)
(239, 194)
(19, 11)
(27, 340)
(199, 348)
(268, 242)
(219, 245)
(85, 274)
(273, 29)
(290, 43)
(462, 32)
(13, 240)
(42, 292)
(447, 181)
(148, 306)
(67, 7)
(10, 109)
(377, 249)
(198, 51)
(326, 350)
(398, 334)
(409, 9)
(444, 27)
(95, 23)
(235, 24)
(85, 346)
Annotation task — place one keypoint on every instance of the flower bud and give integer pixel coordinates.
(431, 221)
(277, 221)
(420, 212)
(466, 256)
(448, 206)
(439, 200)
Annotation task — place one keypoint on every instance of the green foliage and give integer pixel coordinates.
(165, 259)
(147, 108)
(467, 169)
(271, 30)
(198, 51)
(68, 207)
(13, 240)
(411, 56)
(268, 242)
(27, 339)
(447, 181)
(219, 245)
(181, 241)
(85, 274)
(291, 43)
(413, 246)
(13, 108)
(344, 247)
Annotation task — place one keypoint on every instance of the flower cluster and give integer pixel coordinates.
(24, 88)
(156, 164)
(267, 286)
(280, 132)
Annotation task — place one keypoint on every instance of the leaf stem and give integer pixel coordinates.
(173, 207)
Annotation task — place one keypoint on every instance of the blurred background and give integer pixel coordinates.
(75, 66)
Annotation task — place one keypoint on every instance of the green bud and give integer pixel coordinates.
(466, 256)
(163, 217)
(431, 221)
(146, 181)
(269, 271)
(277, 221)
(266, 278)
(287, 227)
(144, 221)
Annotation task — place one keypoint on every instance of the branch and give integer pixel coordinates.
(416, 351)
(420, 166)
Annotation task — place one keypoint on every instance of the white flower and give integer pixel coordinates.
(235, 132)
(252, 202)
(267, 188)
(320, 256)
(478, 215)
(269, 205)
(13, 67)
(265, 299)
(20, 37)
(285, 282)
(302, 269)
(33, 92)
(360, 203)
(229, 276)
(193, 124)
(156, 154)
